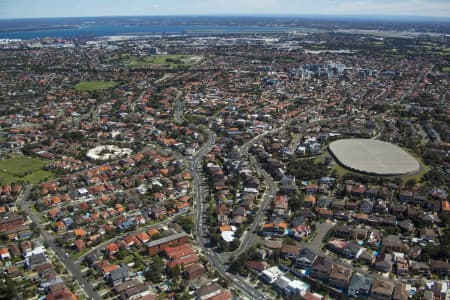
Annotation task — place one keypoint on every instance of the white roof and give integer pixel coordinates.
(228, 236)
(273, 272)
(298, 285)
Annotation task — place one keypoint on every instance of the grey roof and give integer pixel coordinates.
(373, 157)
(37, 259)
(10, 218)
(307, 254)
(392, 241)
(360, 282)
(51, 282)
(439, 264)
(119, 274)
(166, 239)
(353, 247)
(281, 282)
(298, 221)
(126, 285)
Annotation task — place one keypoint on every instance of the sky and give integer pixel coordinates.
(82, 8)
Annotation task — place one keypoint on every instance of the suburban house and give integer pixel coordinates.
(340, 276)
(322, 268)
(382, 289)
(359, 286)
(306, 258)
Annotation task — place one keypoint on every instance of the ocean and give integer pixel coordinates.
(71, 28)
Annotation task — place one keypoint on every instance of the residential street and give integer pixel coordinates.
(70, 266)
(250, 236)
(211, 256)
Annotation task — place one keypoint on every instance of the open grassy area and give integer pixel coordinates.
(22, 168)
(75, 255)
(38, 176)
(423, 168)
(446, 69)
(6, 178)
(91, 86)
(172, 61)
(19, 165)
(340, 170)
(437, 50)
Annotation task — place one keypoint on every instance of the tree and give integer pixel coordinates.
(397, 180)
(4, 237)
(445, 218)
(156, 270)
(238, 263)
(289, 241)
(36, 230)
(432, 157)
(214, 239)
(184, 296)
(236, 266)
(296, 202)
(7, 289)
(234, 244)
(411, 182)
(250, 219)
(307, 169)
(434, 177)
(121, 254)
(185, 222)
(222, 246)
(174, 272)
(90, 272)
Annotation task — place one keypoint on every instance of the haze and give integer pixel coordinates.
(82, 8)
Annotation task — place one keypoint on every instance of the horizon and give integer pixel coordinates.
(22, 9)
(370, 17)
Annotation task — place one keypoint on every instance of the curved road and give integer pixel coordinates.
(250, 235)
(199, 195)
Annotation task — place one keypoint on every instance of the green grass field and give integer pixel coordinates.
(38, 176)
(437, 50)
(172, 61)
(423, 167)
(446, 69)
(91, 86)
(22, 168)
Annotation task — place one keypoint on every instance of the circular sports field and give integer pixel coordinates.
(373, 157)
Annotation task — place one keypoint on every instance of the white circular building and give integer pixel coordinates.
(373, 157)
(108, 152)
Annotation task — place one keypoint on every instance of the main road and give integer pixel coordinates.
(250, 237)
(178, 108)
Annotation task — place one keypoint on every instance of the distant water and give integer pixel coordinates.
(99, 30)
